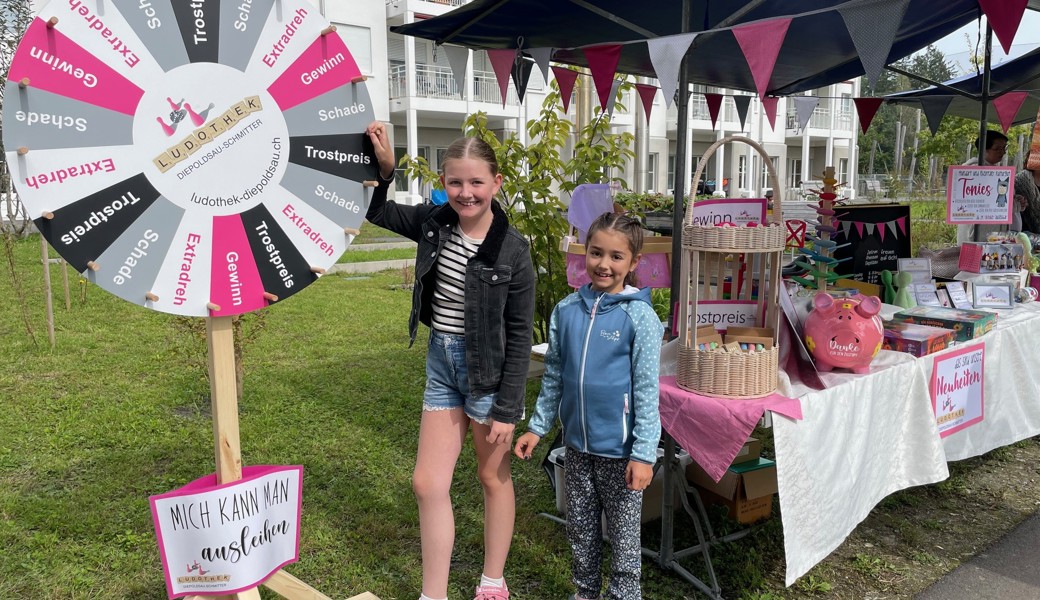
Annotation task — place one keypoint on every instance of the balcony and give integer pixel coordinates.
(438, 83)
(821, 119)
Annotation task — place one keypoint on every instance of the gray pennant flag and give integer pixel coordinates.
(892, 228)
(742, 103)
(665, 54)
(872, 25)
(845, 226)
(541, 58)
(803, 109)
(458, 60)
(613, 97)
(935, 109)
(870, 228)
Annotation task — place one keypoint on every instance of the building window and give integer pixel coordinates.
(400, 182)
(359, 41)
(651, 172)
(671, 171)
(742, 172)
(766, 181)
(794, 174)
(843, 170)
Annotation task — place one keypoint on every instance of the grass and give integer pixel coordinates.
(360, 255)
(372, 233)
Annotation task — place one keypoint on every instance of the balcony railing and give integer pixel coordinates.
(821, 119)
(432, 81)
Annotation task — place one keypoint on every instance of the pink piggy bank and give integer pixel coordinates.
(844, 332)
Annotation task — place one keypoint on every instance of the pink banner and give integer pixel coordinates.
(859, 227)
(1007, 107)
(53, 62)
(901, 222)
(502, 62)
(324, 66)
(235, 284)
(603, 61)
(565, 78)
(866, 108)
(1004, 17)
(646, 95)
(761, 43)
(769, 105)
(714, 105)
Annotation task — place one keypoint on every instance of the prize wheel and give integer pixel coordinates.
(197, 158)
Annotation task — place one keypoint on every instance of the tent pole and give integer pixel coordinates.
(983, 127)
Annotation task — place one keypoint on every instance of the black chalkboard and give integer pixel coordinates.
(872, 250)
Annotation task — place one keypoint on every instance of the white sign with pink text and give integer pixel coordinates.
(956, 388)
(732, 211)
(223, 539)
(979, 194)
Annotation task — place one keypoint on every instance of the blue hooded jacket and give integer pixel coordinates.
(601, 374)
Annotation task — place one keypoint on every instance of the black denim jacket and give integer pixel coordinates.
(499, 304)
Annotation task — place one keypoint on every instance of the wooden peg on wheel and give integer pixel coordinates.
(370, 183)
(93, 266)
(359, 79)
(351, 231)
(47, 215)
(328, 30)
(23, 150)
(151, 296)
(318, 270)
(212, 307)
(51, 22)
(23, 82)
(270, 297)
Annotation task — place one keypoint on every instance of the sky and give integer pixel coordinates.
(958, 51)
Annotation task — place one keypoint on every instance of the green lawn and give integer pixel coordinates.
(361, 255)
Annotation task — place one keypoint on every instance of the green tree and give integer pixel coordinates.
(534, 177)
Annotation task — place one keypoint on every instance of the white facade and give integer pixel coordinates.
(426, 109)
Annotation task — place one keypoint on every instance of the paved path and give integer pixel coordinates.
(1007, 570)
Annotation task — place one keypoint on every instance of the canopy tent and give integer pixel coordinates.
(965, 93)
(817, 50)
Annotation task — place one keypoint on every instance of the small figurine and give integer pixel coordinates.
(889, 292)
(904, 295)
(1030, 262)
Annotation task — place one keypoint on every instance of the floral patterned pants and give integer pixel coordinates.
(596, 485)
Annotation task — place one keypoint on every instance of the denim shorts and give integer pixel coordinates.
(447, 382)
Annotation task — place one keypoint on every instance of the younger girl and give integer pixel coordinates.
(601, 373)
(474, 288)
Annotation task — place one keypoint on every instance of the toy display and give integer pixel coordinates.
(966, 324)
(919, 340)
(844, 333)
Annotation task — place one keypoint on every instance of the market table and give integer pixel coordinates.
(867, 436)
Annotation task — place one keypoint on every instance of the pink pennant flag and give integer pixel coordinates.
(502, 62)
(881, 231)
(761, 43)
(714, 105)
(769, 105)
(1007, 107)
(565, 78)
(646, 95)
(866, 108)
(1004, 17)
(603, 61)
(859, 227)
(901, 222)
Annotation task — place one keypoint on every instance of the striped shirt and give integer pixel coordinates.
(449, 293)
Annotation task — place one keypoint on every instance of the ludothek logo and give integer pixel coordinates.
(196, 574)
(178, 111)
(205, 133)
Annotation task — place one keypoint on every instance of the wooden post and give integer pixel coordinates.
(65, 283)
(227, 450)
(47, 289)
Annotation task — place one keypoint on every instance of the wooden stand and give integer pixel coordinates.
(220, 338)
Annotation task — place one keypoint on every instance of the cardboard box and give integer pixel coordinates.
(919, 340)
(985, 257)
(751, 450)
(746, 489)
(652, 495)
(966, 324)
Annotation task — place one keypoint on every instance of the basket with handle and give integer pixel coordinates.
(736, 272)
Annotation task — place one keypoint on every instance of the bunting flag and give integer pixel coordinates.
(769, 105)
(646, 96)
(1007, 106)
(881, 231)
(521, 76)
(892, 228)
(870, 228)
(1004, 17)
(614, 87)
(901, 222)
(859, 227)
(803, 109)
(873, 36)
(502, 62)
(742, 103)
(458, 60)
(866, 108)
(760, 42)
(541, 57)
(603, 61)
(934, 109)
(714, 104)
(565, 79)
(845, 228)
(665, 54)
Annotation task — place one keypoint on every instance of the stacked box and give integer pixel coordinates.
(966, 324)
(919, 340)
(747, 488)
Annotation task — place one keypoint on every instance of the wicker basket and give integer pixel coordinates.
(724, 263)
